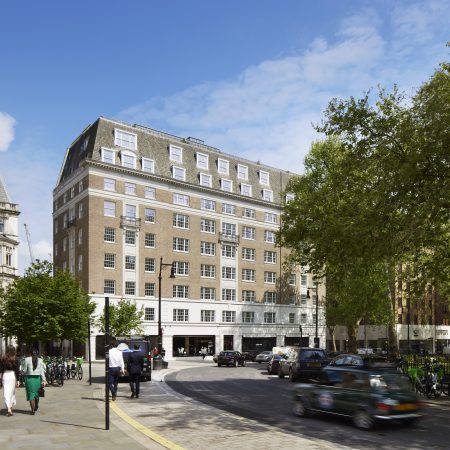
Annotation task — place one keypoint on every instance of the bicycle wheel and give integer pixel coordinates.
(51, 377)
(73, 372)
(80, 373)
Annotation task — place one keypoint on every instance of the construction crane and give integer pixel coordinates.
(29, 242)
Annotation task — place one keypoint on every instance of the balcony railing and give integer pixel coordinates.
(229, 238)
(130, 222)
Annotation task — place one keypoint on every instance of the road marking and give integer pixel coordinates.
(144, 430)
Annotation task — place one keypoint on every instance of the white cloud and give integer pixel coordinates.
(7, 124)
(265, 113)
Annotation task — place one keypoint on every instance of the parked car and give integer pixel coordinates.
(263, 357)
(362, 361)
(368, 396)
(274, 364)
(303, 363)
(230, 358)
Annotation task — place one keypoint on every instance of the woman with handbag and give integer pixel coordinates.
(34, 371)
(9, 376)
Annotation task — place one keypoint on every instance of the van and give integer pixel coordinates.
(126, 346)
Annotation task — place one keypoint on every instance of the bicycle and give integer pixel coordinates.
(76, 370)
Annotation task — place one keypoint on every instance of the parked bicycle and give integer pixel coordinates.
(76, 369)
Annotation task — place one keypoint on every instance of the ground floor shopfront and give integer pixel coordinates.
(413, 338)
(188, 326)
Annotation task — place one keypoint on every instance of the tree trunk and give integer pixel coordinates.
(392, 334)
(333, 338)
(352, 331)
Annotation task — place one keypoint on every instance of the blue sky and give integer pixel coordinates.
(246, 76)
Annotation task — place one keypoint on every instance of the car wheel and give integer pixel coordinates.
(363, 420)
(243, 363)
(299, 408)
(411, 422)
(235, 363)
(292, 377)
(219, 365)
(268, 370)
(280, 373)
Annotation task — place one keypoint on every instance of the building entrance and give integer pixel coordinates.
(193, 345)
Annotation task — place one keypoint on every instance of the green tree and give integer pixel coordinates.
(124, 319)
(375, 196)
(42, 307)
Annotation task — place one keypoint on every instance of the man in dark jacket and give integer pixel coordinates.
(135, 365)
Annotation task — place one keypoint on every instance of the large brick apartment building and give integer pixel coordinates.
(128, 195)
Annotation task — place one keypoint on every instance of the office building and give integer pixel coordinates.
(129, 197)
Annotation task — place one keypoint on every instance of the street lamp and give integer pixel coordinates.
(172, 275)
(316, 288)
(301, 334)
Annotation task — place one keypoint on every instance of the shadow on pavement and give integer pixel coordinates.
(72, 424)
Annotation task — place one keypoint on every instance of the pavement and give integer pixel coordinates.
(73, 416)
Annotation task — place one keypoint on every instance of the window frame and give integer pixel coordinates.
(205, 164)
(130, 144)
(148, 165)
(205, 179)
(178, 173)
(223, 166)
(176, 153)
(107, 151)
(264, 178)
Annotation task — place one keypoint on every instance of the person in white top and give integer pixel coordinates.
(116, 368)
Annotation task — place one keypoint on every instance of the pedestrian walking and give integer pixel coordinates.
(116, 368)
(135, 366)
(34, 372)
(9, 377)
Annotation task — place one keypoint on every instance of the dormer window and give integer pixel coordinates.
(128, 159)
(2, 225)
(205, 180)
(264, 178)
(108, 156)
(178, 173)
(289, 197)
(223, 166)
(85, 144)
(202, 161)
(176, 153)
(246, 189)
(148, 165)
(227, 185)
(242, 172)
(125, 140)
(267, 195)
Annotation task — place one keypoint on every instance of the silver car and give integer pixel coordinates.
(263, 357)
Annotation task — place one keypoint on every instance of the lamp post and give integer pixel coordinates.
(301, 335)
(316, 288)
(106, 363)
(172, 275)
(89, 350)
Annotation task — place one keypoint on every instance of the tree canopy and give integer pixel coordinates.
(43, 307)
(375, 194)
(124, 319)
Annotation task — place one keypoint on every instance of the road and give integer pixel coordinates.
(251, 393)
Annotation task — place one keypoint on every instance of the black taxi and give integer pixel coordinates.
(367, 396)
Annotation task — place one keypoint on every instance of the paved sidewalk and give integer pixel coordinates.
(69, 417)
(72, 417)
